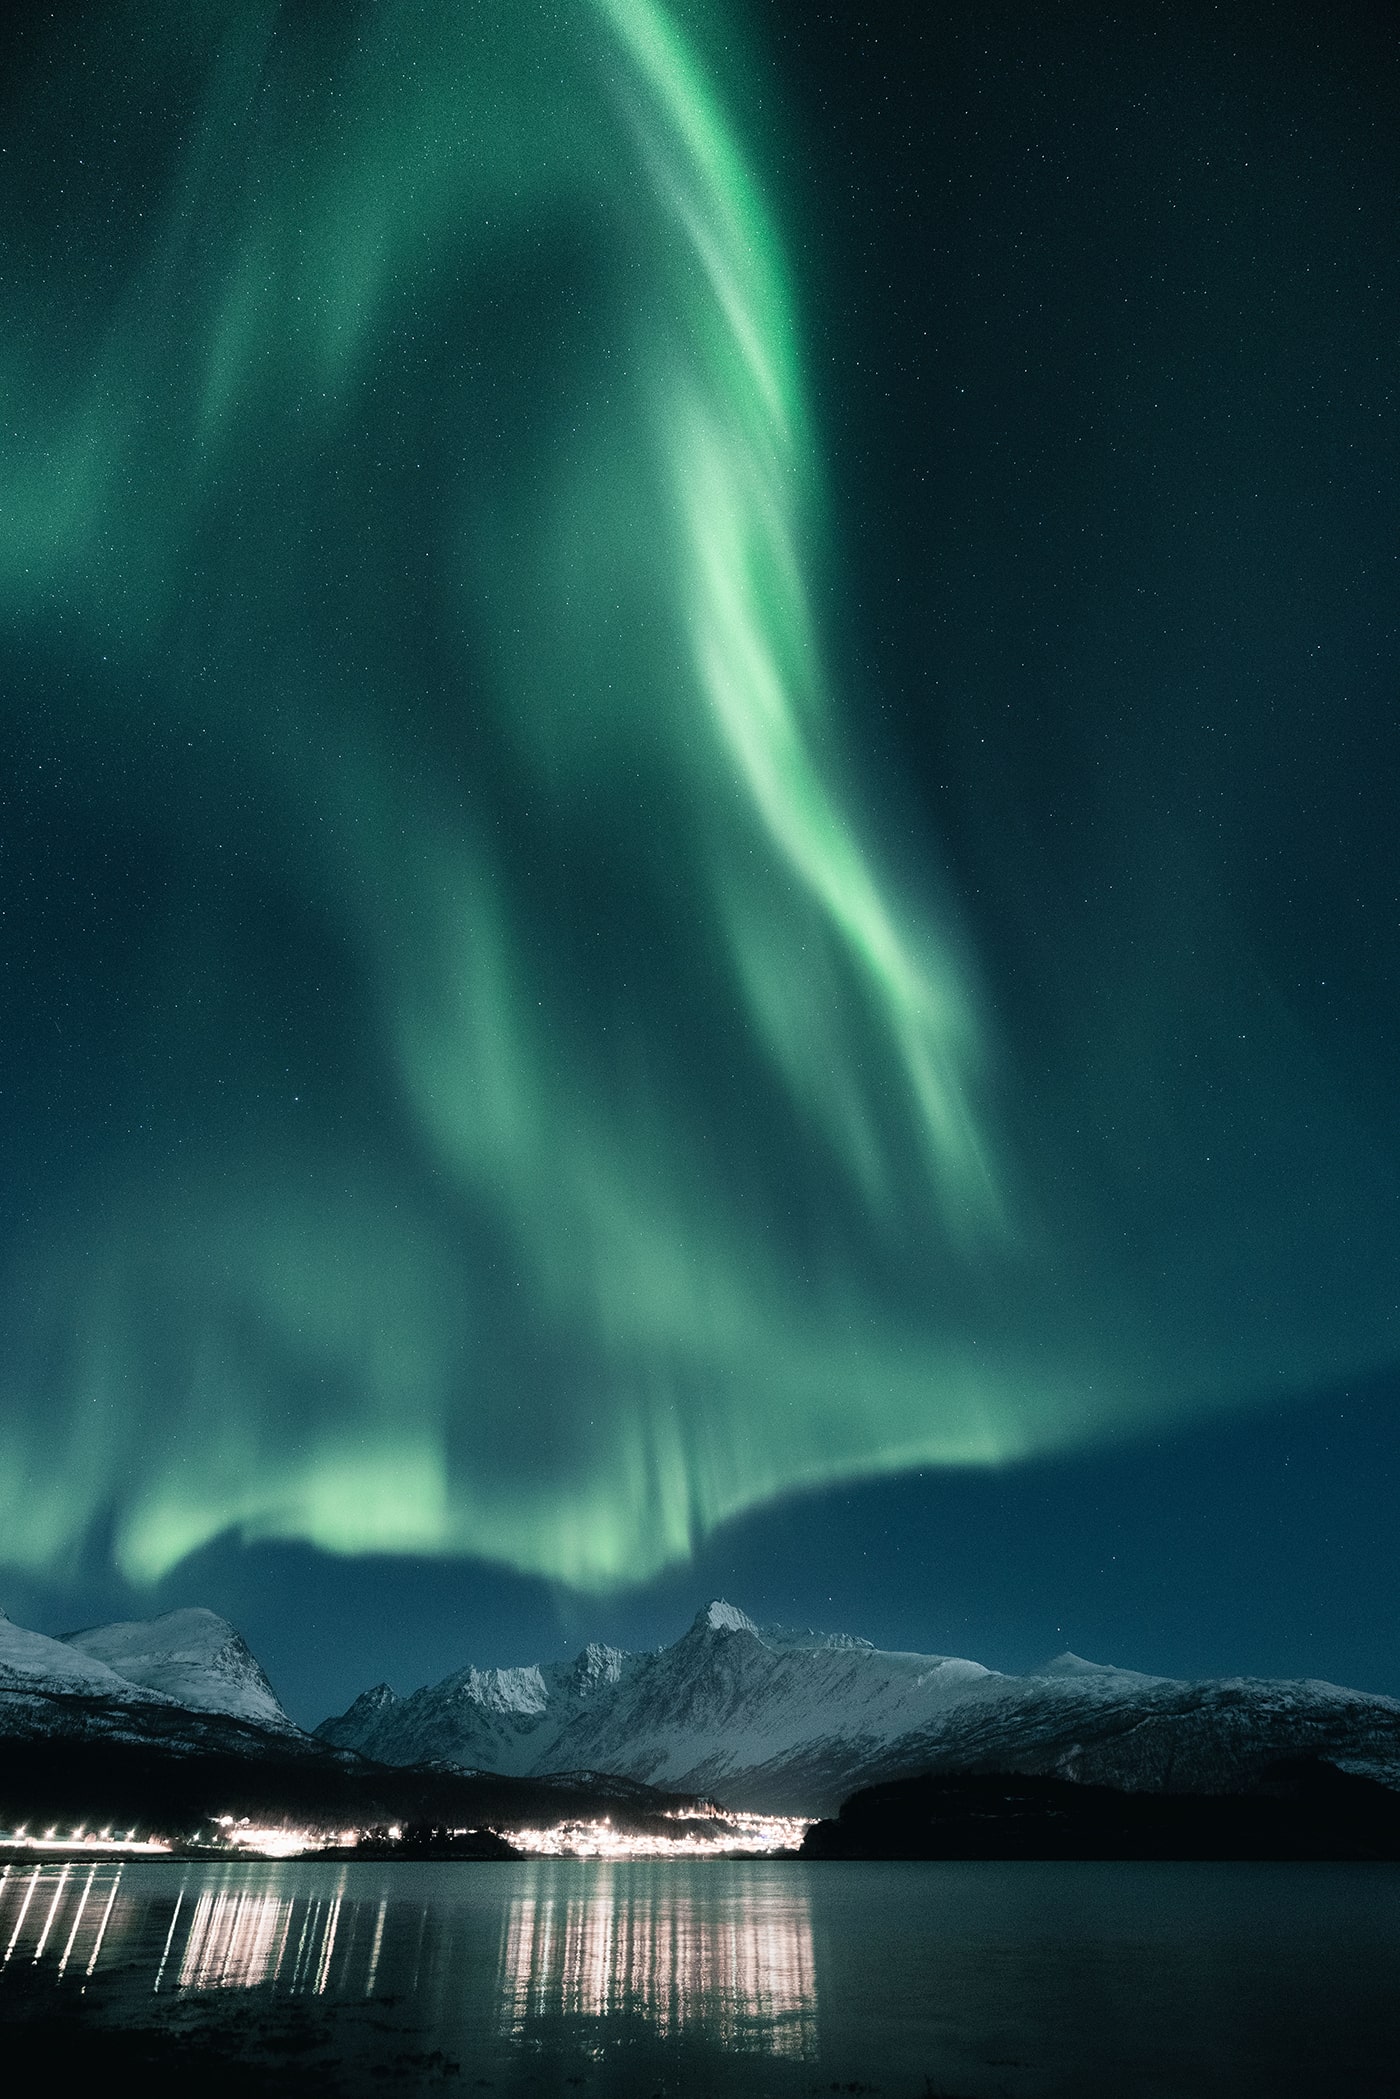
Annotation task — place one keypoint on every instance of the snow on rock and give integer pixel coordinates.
(504, 1720)
(759, 1720)
(720, 1617)
(192, 1656)
(1106, 1676)
(793, 1636)
(371, 1705)
(771, 1718)
(33, 1662)
(1068, 1664)
(1151, 1734)
(596, 1669)
(516, 1691)
(785, 1721)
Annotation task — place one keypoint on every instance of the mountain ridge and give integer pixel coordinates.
(80, 1742)
(773, 1719)
(192, 1655)
(791, 1722)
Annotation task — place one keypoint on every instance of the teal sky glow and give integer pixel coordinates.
(527, 1097)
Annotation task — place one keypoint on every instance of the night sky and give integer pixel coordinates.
(698, 881)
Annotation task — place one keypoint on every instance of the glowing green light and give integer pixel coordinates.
(423, 512)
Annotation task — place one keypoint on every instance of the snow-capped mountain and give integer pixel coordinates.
(786, 1721)
(767, 1718)
(186, 1663)
(771, 1719)
(31, 1662)
(746, 1716)
(193, 1656)
(1151, 1734)
(506, 1720)
(171, 1724)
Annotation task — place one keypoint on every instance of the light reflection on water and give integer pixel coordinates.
(746, 1978)
(240, 1940)
(739, 1971)
(215, 1938)
(746, 1975)
(55, 1887)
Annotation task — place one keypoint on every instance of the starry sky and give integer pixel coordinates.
(696, 826)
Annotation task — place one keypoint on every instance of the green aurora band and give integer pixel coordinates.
(541, 1124)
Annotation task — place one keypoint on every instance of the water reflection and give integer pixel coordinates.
(239, 1940)
(218, 1932)
(1003, 1982)
(744, 1974)
(730, 1961)
(56, 1888)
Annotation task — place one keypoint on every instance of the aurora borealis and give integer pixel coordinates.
(518, 1046)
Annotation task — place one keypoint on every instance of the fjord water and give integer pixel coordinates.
(986, 1980)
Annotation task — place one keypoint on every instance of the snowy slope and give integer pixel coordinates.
(1152, 1734)
(193, 1656)
(724, 1702)
(183, 1687)
(760, 1719)
(1087, 1676)
(32, 1662)
(505, 1720)
(789, 1721)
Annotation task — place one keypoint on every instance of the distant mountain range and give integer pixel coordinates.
(781, 1721)
(763, 1718)
(168, 1723)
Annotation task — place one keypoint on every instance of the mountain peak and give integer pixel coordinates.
(375, 1700)
(520, 1690)
(594, 1669)
(1105, 1673)
(721, 1617)
(191, 1655)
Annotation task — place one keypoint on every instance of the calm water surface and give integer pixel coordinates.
(990, 1981)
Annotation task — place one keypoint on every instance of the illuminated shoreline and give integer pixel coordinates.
(17, 1844)
(737, 1836)
(749, 1836)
